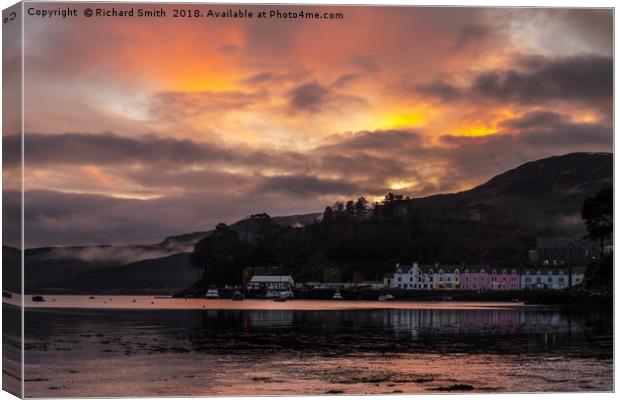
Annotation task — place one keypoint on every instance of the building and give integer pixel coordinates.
(418, 277)
(271, 282)
(562, 251)
(577, 274)
(490, 278)
(403, 277)
(440, 277)
(545, 278)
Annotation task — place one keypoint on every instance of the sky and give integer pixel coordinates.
(138, 129)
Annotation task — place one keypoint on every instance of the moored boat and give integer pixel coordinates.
(237, 296)
(212, 293)
(337, 296)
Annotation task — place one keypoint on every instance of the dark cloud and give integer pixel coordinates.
(534, 119)
(310, 97)
(584, 79)
(472, 33)
(366, 62)
(305, 185)
(201, 188)
(171, 105)
(314, 97)
(110, 149)
(441, 90)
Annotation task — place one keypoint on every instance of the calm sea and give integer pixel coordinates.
(311, 348)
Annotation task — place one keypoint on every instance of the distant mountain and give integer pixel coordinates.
(161, 275)
(544, 195)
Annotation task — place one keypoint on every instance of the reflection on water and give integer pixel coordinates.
(210, 352)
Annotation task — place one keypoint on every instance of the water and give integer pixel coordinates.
(165, 350)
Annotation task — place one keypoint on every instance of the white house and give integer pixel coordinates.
(271, 282)
(416, 277)
(405, 277)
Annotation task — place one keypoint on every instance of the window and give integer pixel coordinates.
(514, 272)
(528, 279)
(493, 272)
(456, 272)
(561, 279)
(503, 272)
(440, 271)
(467, 271)
(549, 280)
(411, 279)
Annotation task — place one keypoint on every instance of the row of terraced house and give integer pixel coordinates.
(462, 277)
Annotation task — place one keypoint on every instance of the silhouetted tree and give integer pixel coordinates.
(350, 208)
(598, 214)
(328, 215)
(221, 256)
(361, 206)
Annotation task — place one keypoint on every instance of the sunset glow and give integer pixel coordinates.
(206, 121)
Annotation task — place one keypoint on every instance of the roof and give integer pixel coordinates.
(545, 270)
(560, 242)
(271, 278)
(489, 269)
(447, 269)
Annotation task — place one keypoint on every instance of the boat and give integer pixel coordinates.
(381, 298)
(237, 296)
(212, 293)
(389, 297)
(38, 298)
(337, 296)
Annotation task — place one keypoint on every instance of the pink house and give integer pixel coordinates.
(486, 278)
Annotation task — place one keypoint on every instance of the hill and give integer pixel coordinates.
(546, 194)
(495, 222)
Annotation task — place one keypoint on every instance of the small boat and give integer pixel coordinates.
(237, 296)
(389, 297)
(91, 298)
(38, 298)
(337, 296)
(212, 293)
(381, 298)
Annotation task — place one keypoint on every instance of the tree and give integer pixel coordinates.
(361, 206)
(350, 208)
(598, 214)
(221, 256)
(328, 215)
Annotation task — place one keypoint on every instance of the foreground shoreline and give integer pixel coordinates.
(170, 303)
